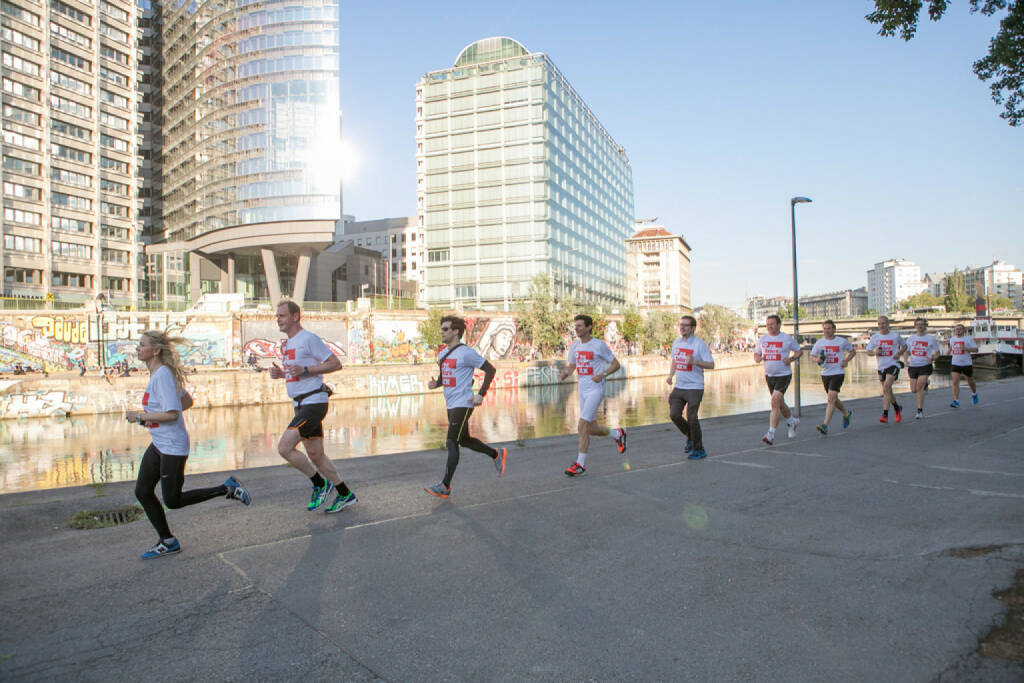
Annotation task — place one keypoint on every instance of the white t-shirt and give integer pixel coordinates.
(162, 395)
(684, 352)
(960, 348)
(833, 350)
(590, 359)
(887, 346)
(921, 349)
(773, 350)
(457, 375)
(305, 348)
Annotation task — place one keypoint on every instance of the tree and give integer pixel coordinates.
(430, 328)
(632, 328)
(956, 293)
(786, 312)
(920, 300)
(999, 302)
(719, 324)
(543, 325)
(659, 330)
(1004, 64)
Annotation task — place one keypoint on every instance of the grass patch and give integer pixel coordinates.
(99, 519)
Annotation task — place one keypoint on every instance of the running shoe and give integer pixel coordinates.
(689, 447)
(846, 418)
(621, 441)
(439, 490)
(162, 548)
(574, 469)
(698, 454)
(499, 462)
(320, 494)
(954, 404)
(919, 415)
(899, 413)
(974, 399)
(791, 427)
(884, 419)
(341, 502)
(768, 438)
(823, 428)
(236, 491)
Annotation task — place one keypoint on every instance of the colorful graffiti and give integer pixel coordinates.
(265, 349)
(398, 340)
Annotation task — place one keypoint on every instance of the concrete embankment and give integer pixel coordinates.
(33, 396)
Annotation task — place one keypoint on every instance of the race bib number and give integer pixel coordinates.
(920, 349)
(885, 347)
(448, 372)
(145, 409)
(831, 354)
(684, 360)
(772, 350)
(584, 363)
(958, 348)
(289, 354)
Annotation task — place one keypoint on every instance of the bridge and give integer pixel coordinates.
(900, 322)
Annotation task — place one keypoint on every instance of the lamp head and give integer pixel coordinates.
(800, 200)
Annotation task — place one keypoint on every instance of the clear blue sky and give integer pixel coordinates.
(726, 111)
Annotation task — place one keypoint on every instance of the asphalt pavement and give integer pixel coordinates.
(835, 558)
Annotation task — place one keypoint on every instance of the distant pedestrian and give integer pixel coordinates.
(921, 350)
(690, 358)
(306, 359)
(833, 354)
(777, 350)
(887, 346)
(592, 361)
(456, 363)
(961, 364)
(163, 404)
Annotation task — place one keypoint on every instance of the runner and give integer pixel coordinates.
(922, 350)
(456, 364)
(886, 347)
(592, 361)
(306, 358)
(833, 354)
(778, 350)
(690, 357)
(164, 461)
(960, 347)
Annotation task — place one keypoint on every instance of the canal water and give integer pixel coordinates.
(46, 453)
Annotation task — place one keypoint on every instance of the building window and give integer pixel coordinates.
(437, 255)
(466, 292)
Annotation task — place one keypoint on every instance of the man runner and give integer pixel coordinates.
(960, 347)
(833, 354)
(886, 347)
(922, 350)
(777, 350)
(690, 357)
(592, 361)
(305, 358)
(456, 364)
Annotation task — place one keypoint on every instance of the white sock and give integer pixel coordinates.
(615, 434)
(582, 459)
(771, 430)
(791, 420)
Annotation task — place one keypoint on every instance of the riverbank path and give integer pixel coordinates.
(872, 554)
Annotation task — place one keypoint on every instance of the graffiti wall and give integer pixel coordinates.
(261, 338)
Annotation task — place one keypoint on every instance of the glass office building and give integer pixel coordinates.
(517, 177)
(248, 145)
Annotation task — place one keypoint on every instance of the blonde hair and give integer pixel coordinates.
(168, 355)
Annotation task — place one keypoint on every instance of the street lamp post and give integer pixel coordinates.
(796, 308)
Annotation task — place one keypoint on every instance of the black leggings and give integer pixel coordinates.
(169, 471)
(458, 435)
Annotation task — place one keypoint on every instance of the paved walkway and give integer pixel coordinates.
(817, 559)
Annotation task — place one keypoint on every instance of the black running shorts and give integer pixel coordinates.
(893, 370)
(919, 371)
(309, 420)
(965, 370)
(779, 383)
(832, 382)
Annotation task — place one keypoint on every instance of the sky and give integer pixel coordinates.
(726, 111)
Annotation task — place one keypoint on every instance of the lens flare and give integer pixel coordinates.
(625, 465)
(695, 517)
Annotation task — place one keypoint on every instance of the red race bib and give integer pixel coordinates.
(448, 372)
(684, 359)
(584, 359)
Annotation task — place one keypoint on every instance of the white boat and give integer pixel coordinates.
(999, 346)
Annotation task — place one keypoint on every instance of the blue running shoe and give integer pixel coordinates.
(689, 447)
(341, 502)
(846, 418)
(698, 455)
(954, 404)
(236, 491)
(974, 399)
(320, 494)
(168, 547)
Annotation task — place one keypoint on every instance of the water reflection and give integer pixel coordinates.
(55, 452)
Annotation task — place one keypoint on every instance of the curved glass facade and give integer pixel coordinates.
(489, 50)
(251, 119)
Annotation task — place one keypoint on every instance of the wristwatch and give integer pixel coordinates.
(141, 421)
(305, 371)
